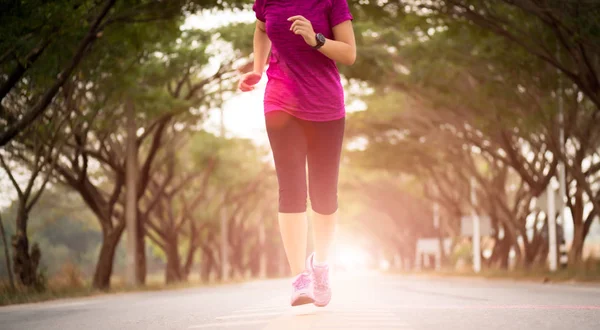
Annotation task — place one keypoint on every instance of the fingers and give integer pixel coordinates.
(245, 87)
(248, 81)
(297, 18)
(252, 78)
(298, 24)
(295, 29)
(302, 32)
(302, 28)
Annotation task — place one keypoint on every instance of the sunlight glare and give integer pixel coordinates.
(351, 258)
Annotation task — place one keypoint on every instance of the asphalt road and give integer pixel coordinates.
(368, 301)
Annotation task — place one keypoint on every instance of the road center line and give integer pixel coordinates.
(248, 315)
(545, 307)
(227, 324)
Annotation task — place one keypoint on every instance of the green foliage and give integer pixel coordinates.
(240, 35)
(462, 72)
(237, 159)
(39, 39)
(27, 23)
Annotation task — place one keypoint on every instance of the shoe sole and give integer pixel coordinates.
(323, 302)
(303, 300)
(319, 304)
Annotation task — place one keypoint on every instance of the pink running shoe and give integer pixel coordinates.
(320, 278)
(302, 292)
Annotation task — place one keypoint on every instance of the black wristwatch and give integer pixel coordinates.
(320, 41)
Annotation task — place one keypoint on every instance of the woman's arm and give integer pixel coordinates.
(342, 49)
(262, 46)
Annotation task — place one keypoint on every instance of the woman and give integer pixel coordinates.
(305, 119)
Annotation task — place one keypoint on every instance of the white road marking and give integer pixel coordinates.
(251, 315)
(264, 309)
(276, 314)
(366, 326)
(369, 318)
(354, 312)
(228, 324)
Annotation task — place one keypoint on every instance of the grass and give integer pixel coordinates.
(568, 275)
(23, 295)
(61, 287)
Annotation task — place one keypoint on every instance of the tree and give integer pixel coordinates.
(65, 230)
(167, 91)
(495, 100)
(567, 26)
(177, 191)
(40, 160)
(38, 34)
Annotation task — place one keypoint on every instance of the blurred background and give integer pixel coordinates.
(128, 158)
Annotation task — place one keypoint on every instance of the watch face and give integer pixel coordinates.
(320, 38)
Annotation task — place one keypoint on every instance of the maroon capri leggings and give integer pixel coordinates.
(296, 142)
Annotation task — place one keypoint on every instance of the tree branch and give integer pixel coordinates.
(10, 132)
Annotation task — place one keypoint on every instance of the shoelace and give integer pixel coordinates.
(302, 282)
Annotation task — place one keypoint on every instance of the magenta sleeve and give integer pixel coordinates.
(340, 12)
(259, 9)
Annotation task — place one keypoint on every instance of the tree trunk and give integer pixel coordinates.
(442, 248)
(530, 253)
(140, 252)
(7, 256)
(504, 252)
(186, 269)
(576, 251)
(21, 260)
(104, 266)
(533, 248)
(501, 251)
(25, 265)
(254, 260)
(235, 261)
(518, 253)
(205, 268)
(208, 265)
(173, 268)
(135, 253)
(191, 253)
(541, 257)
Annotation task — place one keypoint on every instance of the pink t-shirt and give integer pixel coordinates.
(301, 80)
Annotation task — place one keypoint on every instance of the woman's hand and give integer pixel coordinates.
(248, 81)
(302, 26)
